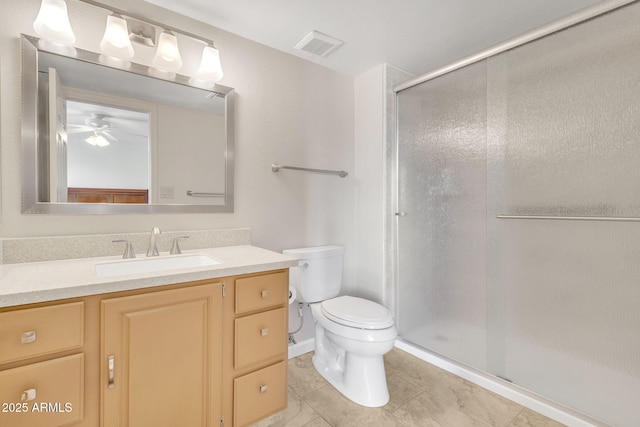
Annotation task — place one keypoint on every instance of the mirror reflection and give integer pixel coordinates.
(108, 153)
(112, 137)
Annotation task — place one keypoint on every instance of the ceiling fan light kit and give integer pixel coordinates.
(97, 140)
(87, 120)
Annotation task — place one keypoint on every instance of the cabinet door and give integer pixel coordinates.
(161, 358)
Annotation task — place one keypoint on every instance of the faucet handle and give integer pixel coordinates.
(175, 248)
(128, 251)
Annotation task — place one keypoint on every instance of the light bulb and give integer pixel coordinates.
(97, 140)
(210, 67)
(115, 41)
(52, 22)
(168, 55)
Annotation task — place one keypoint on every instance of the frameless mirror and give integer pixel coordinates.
(112, 138)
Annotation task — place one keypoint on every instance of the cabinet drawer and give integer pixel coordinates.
(260, 394)
(46, 394)
(39, 331)
(260, 292)
(260, 336)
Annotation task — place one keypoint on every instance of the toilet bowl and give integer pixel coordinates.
(350, 356)
(351, 334)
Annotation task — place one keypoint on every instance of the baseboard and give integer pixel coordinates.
(517, 394)
(301, 347)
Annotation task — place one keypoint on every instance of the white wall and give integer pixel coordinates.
(369, 177)
(374, 141)
(287, 110)
(117, 165)
(190, 155)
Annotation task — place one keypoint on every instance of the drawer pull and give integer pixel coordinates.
(28, 395)
(264, 332)
(28, 337)
(264, 388)
(264, 294)
(111, 361)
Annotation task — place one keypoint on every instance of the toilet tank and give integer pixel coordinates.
(319, 274)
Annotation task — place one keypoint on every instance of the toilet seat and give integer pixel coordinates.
(357, 313)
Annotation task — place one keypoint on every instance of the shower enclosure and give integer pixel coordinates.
(519, 253)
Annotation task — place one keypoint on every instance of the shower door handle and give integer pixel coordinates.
(401, 213)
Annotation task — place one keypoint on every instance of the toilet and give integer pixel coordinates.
(351, 334)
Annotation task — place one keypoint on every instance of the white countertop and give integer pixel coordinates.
(53, 280)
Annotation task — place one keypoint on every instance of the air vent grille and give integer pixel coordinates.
(318, 43)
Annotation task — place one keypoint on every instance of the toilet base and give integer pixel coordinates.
(361, 379)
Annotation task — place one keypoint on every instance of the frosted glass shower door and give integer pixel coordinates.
(442, 239)
(519, 253)
(567, 148)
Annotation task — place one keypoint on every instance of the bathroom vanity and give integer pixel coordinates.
(200, 346)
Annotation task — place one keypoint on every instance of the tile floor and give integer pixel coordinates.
(420, 395)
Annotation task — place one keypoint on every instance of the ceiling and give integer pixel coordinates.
(416, 36)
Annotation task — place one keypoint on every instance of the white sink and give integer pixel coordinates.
(153, 265)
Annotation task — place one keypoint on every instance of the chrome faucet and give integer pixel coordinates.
(153, 249)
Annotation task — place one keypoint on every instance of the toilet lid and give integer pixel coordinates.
(357, 312)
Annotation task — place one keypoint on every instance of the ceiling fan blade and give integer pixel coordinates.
(78, 129)
(115, 119)
(109, 136)
(124, 134)
(81, 134)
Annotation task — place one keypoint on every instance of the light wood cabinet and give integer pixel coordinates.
(255, 376)
(44, 394)
(162, 354)
(259, 337)
(41, 384)
(40, 331)
(261, 292)
(205, 353)
(260, 393)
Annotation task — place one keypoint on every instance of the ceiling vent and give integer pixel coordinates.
(318, 44)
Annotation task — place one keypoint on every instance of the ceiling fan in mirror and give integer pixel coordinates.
(103, 125)
(97, 127)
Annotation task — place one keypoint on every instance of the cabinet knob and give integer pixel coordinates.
(264, 388)
(264, 332)
(264, 294)
(28, 337)
(28, 395)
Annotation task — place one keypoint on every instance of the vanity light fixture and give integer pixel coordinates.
(210, 68)
(52, 22)
(116, 42)
(167, 55)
